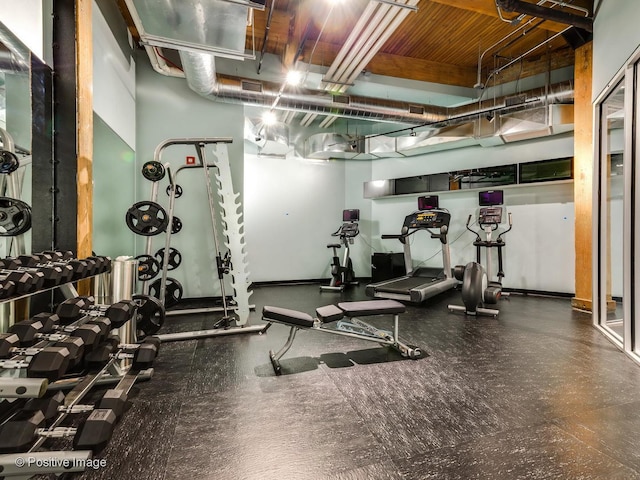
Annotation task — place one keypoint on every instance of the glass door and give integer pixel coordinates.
(611, 268)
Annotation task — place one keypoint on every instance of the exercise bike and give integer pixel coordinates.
(342, 274)
(478, 289)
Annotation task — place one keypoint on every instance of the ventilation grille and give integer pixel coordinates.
(342, 99)
(515, 100)
(416, 109)
(251, 86)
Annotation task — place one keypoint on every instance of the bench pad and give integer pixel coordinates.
(329, 313)
(290, 317)
(371, 307)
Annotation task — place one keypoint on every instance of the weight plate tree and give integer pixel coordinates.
(173, 291)
(147, 218)
(153, 171)
(15, 217)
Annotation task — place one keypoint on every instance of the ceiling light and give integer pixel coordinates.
(269, 117)
(294, 77)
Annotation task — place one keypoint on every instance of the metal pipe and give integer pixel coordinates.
(266, 35)
(548, 14)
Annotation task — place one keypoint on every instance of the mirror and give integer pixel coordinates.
(25, 121)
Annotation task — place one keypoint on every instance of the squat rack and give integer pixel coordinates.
(223, 263)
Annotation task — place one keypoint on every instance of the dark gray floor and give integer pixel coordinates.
(536, 394)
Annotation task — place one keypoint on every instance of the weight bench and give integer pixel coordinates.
(352, 327)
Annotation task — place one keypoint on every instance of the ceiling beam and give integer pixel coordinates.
(488, 7)
(300, 23)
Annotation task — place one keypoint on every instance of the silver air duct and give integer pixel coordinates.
(199, 69)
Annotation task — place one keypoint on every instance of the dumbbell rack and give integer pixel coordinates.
(103, 414)
(242, 305)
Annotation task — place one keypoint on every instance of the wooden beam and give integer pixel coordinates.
(488, 7)
(84, 179)
(300, 21)
(583, 176)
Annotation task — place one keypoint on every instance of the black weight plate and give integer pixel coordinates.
(149, 315)
(176, 225)
(148, 267)
(174, 261)
(146, 218)
(173, 291)
(15, 217)
(8, 162)
(178, 191)
(153, 171)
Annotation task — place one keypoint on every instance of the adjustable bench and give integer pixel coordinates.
(352, 327)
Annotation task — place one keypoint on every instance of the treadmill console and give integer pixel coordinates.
(490, 215)
(427, 219)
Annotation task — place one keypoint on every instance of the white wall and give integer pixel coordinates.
(291, 208)
(542, 238)
(114, 81)
(114, 167)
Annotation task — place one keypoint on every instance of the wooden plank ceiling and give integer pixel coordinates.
(439, 43)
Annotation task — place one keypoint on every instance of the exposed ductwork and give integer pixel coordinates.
(201, 77)
(534, 10)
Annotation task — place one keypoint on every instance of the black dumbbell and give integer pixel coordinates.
(52, 275)
(19, 434)
(42, 262)
(33, 330)
(75, 308)
(81, 268)
(24, 282)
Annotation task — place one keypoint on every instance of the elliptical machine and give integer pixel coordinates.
(477, 287)
(342, 274)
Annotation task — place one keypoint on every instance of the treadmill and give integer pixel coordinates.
(419, 284)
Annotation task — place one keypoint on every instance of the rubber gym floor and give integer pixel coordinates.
(536, 394)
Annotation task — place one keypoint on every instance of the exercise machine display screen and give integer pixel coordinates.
(489, 198)
(352, 215)
(428, 203)
(490, 216)
(427, 219)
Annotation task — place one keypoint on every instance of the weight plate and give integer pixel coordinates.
(148, 267)
(15, 217)
(174, 261)
(153, 171)
(173, 291)
(8, 162)
(178, 191)
(147, 218)
(150, 315)
(176, 225)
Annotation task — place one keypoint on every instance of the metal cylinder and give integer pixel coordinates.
(123, 285)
